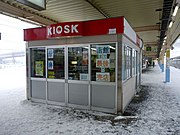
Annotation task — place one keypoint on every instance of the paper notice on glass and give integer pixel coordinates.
(102, 63)
(50, 65)
(85, 58)
(103, 77)
(50, 53)
(51, 74)
(102, 56)
(102, 49)
(99, 63)
(106, 63)
(112, 55)
(112, 63)
(102, 69)
(39, 68)
(84, 77)
(168, 53)
(112, 31)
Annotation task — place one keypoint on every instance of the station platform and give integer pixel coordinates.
(155, 110)
(155, 77)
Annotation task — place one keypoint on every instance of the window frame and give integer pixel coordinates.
(115, 62)
(50, 59)
(32, 68)
(127, 62)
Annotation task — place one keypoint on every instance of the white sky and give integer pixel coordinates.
(176, 51)
(11, 30)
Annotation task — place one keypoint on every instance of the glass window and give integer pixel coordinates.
(124, 63)
(127, 62)
(103, 62)
(37, 62)
(78, 63)
(55, 63)
(133, 62)
(136, 62)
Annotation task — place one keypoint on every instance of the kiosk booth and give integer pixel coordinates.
(93, 65)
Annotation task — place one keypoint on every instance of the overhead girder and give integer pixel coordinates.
(147, 28)
(166, 17)
(25, 15)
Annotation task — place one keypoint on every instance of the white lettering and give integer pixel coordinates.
(74, 28)
(66, 29)
(59, 29)
(49, 31)
(54, 30)
(62, 29)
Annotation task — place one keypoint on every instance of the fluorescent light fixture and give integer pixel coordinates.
(175, 10)
(86, 47)
(74, 62)
(165, 37)
(164, 43)
(93, 49)
(170, 25)
(112, 47)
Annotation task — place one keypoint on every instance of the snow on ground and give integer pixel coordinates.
(13, 76)
(175, 82)
(155, 110)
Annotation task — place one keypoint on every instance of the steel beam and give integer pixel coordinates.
(19, 13)
(150, 43)
(98, 9)
(147, 28)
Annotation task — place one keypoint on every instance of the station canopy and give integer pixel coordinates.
(149, 18)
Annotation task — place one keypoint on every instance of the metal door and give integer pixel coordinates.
(37, 73)
(56, 91)
(78, 76)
